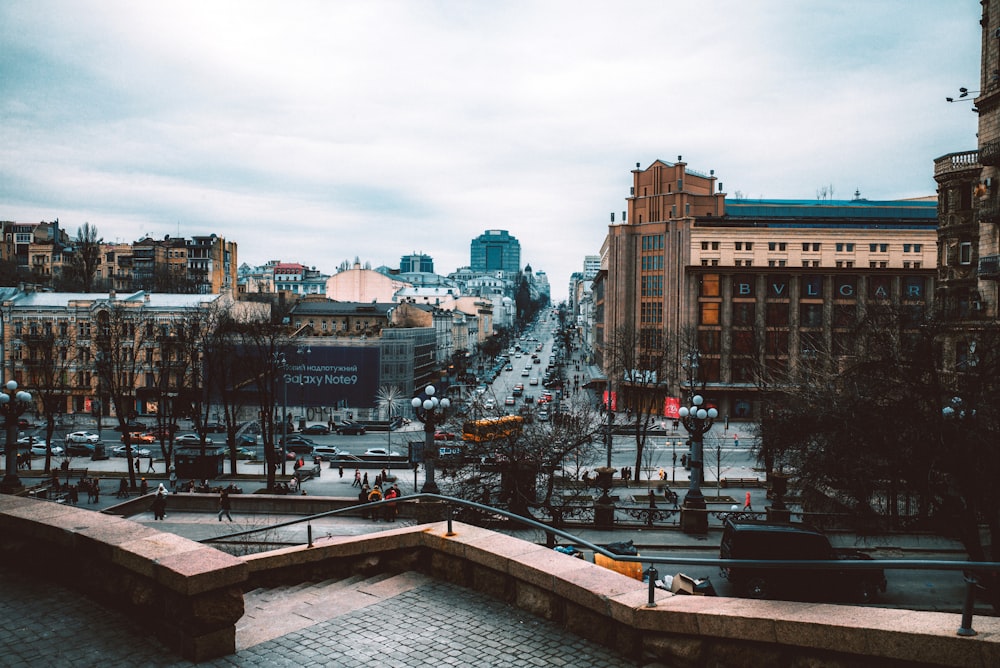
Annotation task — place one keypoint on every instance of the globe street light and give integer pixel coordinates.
(697, 420)
(13, 404)
(430, 410)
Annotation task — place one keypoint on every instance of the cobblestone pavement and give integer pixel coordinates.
(437, 624)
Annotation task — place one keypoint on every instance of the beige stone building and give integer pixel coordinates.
(751, 285)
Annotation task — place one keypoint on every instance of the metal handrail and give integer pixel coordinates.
(860, 564)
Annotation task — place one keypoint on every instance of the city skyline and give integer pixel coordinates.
(318, 133)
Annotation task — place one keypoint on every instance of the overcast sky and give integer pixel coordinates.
(320, 132)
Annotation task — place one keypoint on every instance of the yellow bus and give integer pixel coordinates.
(491, 429)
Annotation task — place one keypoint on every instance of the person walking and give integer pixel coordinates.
(150, 468)
(390, 508)
(340, 470)
(143, 487)
(224, 505)
(747, 505)
(173, 478)
(375, 496)
(96, 486)
(357, 478)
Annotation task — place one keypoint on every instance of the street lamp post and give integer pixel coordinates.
(697, 421)
(13, 404)
(430, 410)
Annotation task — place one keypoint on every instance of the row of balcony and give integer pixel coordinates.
(989, 267)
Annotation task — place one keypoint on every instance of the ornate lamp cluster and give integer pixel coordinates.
(697, 420)
(430, 410)
(12, 405)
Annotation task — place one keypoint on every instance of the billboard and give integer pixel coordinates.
(331, 376)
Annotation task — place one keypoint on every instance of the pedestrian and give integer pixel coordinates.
(390, 508)
(137, 467)
(122, 489)
(173, 478)
(150, 468)
(662, 474)
(357, 478)
(736, 440)
(74, 496)
(364, 480)
(373, 497)
(143, 487)
(224, 505)
(746, 505)
(160, 505)
(340, 470)
(96, 486)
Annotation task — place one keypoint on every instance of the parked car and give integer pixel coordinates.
(140, 438)
(245, 454)
(38, 449)
(83, 437)
(321, 429)
(215, 428)
(191, 439)
(119, 451)
(349, 427)
(786, 541)
(444, 436)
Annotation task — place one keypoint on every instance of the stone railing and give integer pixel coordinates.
(192, 594)
(956, 162)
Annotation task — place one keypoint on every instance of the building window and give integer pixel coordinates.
(715, 245)
(710, 285)
(916, 265)
(965, 253)
(710, 313)
(906, 264)
(743, 342)
(744, 314)
(704, 245)
(916, 248)
(805, 246)
(777, 314)
(810, 315)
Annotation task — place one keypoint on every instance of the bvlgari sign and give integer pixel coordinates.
(844, 287)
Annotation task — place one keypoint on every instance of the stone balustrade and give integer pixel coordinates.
(194, 591)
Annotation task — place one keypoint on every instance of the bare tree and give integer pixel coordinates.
(48, 360)
(123, 331)
(85, 257)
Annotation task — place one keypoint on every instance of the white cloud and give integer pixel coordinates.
(318, 131)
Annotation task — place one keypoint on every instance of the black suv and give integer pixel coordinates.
(781, 541)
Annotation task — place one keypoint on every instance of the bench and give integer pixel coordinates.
(740, 482)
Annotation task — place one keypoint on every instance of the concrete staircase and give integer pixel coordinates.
(272, 613)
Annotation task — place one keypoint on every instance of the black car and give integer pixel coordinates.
(788, 541)
(321, 429)
(348, 427)
(296, 440)
(79, 449)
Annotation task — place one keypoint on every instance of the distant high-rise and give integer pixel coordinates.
(496, 250)
(416, 263)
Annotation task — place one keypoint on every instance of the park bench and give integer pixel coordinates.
(740, 482)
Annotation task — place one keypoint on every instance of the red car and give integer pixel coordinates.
(444, 436)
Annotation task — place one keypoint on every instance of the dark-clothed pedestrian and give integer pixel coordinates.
(224, 505)
(160, 506)
(143, 487)
(340, 470)
(357, 478)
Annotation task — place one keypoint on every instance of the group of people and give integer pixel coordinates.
(375, 494)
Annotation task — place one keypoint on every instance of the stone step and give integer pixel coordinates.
(269, 615)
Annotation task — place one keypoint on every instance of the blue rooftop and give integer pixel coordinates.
(846, 209)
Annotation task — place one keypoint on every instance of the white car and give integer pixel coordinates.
(83, 437)
(39, 449)
(191, 439)
(381, 452)
(489, 404)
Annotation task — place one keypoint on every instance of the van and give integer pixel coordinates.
(788, 541)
